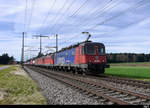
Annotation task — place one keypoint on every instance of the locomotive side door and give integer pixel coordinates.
(81, 53)
(79, 56)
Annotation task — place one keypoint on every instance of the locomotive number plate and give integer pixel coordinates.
(96, 60)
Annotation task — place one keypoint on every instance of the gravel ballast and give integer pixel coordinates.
(59, 93)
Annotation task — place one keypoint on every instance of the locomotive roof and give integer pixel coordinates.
(75, 45)
(81, 43)
(69, 47)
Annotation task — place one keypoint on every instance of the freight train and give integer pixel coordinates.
(83, 58)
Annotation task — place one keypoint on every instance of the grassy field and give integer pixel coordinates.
(132, 70)
(145, 64)
(2, 65)
(18, 89)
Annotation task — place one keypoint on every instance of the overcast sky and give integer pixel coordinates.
(122, 25)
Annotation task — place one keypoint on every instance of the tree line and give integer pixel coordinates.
(127, 57)
(5, 59)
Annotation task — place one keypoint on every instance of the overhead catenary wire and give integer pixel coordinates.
(57, 14)
(31, 14)
(103, 22)
(58, 19)
(102, 10)
(59, 29)
(25, 15)
(67, 9)
(113, 17)
(79, 8)
(30, 18)
(99, 9)
(107, 6)
(127, 26)
(47, 16)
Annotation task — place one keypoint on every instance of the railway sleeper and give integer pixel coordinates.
(100, 90)
(114, 94)
(91, 95)
(91, 88)
(96, 97)
(135, 84)
(85, 93)
(137, 101)
(102, 99)
(110, 91)
(130, 98)
(120, 96)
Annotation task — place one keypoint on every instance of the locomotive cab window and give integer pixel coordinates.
(90, 49)
(101, 50)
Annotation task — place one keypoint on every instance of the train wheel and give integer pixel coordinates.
(80, 71)
(76, 71)
(83, 72)
(73, 70)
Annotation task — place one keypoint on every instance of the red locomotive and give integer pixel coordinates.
(86, 57)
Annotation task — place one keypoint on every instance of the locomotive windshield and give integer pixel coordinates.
(101, 50)
(90, 49)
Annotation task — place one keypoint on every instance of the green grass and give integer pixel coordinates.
(129, 71)
(19, 89)
(133, 63)
(2, 65)
(144, 64)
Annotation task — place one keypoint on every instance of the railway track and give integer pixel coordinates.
(128, 81)
(119, 80)
(98, 90)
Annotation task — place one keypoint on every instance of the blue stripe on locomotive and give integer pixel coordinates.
(65, 57)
